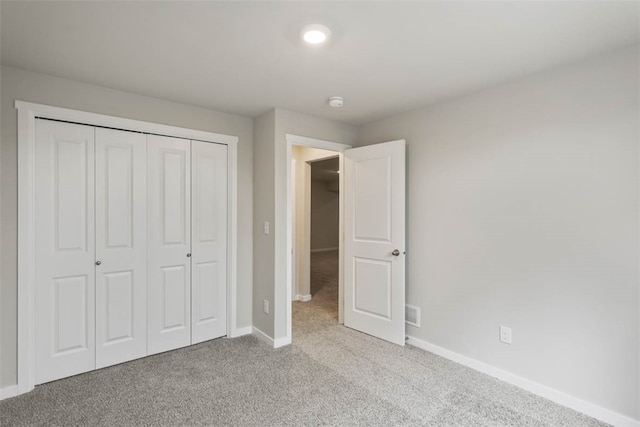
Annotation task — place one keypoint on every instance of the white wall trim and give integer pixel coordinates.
(7, 392)
(27, 113)
(552, 394)
(325, 249)
(281, 342)
(58, 113)
(275, 343)
(316, 143)
(325, 145)
(240, 332)
(26, 248)
(262, 336)
(232, 221)
(303, 298)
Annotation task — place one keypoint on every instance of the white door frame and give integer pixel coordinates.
(324, 145)
(27, 114)
(294, 220)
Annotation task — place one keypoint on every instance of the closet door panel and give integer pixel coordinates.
(209, 240)
(169, 243)
(121, 294)
(64, 250)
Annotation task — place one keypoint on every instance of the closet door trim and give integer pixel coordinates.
(27, 114)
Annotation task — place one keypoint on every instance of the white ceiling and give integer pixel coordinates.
(245, 57)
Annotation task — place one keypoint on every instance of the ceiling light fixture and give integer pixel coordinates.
(315, 34)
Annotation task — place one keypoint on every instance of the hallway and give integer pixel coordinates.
(322, 310)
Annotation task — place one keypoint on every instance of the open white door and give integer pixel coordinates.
(374, 239)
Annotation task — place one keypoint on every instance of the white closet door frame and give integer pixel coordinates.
(27, 114)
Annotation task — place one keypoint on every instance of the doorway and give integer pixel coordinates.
(315, 184)
(298, 275)
(371, 220)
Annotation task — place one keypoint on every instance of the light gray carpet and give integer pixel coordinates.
(331, 375)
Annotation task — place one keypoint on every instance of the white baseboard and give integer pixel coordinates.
(238, 332)
(262, 336)
(303, 298)
(554, 395)
(324, 249)
(7, 392)
(278, 342)
(281, 342)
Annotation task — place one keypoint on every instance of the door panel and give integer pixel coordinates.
(71, 195)
(118, 308)
(173, 213)
(65, 250)
(121, 285)
(174, 303)
(205, 273)
(372, 206)
(169, 243)
(374, 227)
(121, 236)
(372, 287)
(209, 241)
(70, 313)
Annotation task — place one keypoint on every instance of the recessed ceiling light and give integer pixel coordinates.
(315, 34)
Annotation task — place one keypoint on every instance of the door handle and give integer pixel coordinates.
(188, 255)
(98, 262)
(395, 252)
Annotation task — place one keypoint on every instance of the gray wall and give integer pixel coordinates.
(523, 211)
(263, 254)
(43, 89)
(325, 216)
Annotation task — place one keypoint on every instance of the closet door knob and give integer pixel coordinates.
(98, 262)
(395, 252)
(188, 255)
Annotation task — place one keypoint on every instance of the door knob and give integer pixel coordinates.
(188, 255)
(395, 252)
(98, 262)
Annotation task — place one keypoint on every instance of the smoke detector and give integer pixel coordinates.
(336, 101)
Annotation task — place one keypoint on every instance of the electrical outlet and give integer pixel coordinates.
(265, 229)
(505, 334)
(265, 306)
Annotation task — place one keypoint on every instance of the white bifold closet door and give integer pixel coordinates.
(169, 243)
(64, 250)
(209, 241)
(91, 248)
(121, 240)
(130, 246)
(187, 242)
